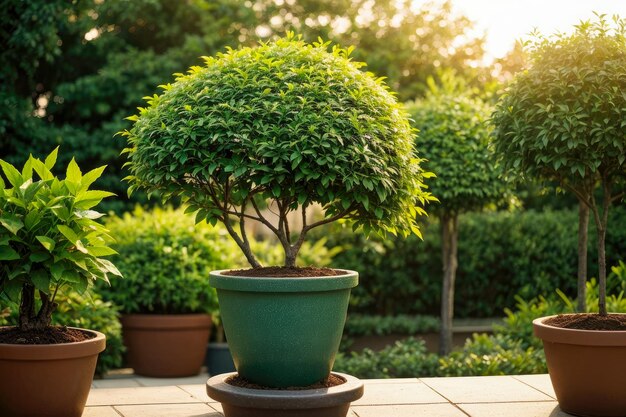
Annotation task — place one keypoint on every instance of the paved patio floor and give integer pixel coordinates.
(493, 396)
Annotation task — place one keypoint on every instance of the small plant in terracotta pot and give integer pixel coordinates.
(50, 242)
(283, 126)
(562, 120)
(165, 297)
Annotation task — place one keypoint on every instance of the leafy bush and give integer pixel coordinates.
(404, 359)
(366, 325)
(87, 312)
(166, 260)
(50, 241)
(511, 350)
(501, 254)
(92, 313)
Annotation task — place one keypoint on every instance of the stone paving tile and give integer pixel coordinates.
(168, 410)
(424, 410)
(116, 383)
(484, 389)
(197, 391)
(412, 392)
(100, 412)
(523, 409)
(156, 382)
(541, 382)
(140, 395)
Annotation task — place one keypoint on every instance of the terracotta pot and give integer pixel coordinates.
(166, 346)
(587, 369)
(245, 402)
(48, 380)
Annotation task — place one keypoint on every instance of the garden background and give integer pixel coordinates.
(72, 72)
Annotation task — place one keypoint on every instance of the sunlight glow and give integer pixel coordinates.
(505, 21)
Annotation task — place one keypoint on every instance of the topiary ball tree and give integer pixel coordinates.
(288, 124)
(455, 140)
(564, 120)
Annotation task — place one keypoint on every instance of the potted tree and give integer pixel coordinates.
(563, 120)
(50, 242)
(455, 140)
(165, 298)
(285, 126)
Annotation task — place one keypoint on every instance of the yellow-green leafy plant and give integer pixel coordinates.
(50, 240)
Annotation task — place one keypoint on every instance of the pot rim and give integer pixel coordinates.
(555, 334)
(347, 392)
(283, 284)
(55, 351)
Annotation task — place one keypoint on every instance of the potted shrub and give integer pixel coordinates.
(286, 126)
(563, 120)
(50, 242)
(165, 297)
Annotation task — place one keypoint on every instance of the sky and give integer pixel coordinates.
(507, 20)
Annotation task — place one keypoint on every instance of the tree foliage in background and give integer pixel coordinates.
(71, 71)
(455, 141)
(564, 120)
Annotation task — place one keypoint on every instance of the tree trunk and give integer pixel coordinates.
(28, 320)
(449, 237)
(601, 271)
(583, 225)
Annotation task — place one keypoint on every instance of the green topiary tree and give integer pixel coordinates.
(563, 120)
(289, 123)
(455, 140)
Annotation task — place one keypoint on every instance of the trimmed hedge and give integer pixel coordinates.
(166, 259)
(511, 350)
(501, 254)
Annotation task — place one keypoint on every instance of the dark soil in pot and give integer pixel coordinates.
(333, 380)
(285, 272)
(49, 336)
(610, 322)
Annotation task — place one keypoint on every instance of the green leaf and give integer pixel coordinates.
(51, 159)
(12, 174)
(101, 251)
(7, 253)
(73, 172)
(68, 233)
(11, 222)
(39, 256)
(109, 267)
(81, 247)
(88, 214)
(90, 177)
(41, 280)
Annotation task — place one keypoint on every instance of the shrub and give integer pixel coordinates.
(50, 241)
(501, 254)
(366, 325)
(87, 312)
(404, 359)
(166, 260)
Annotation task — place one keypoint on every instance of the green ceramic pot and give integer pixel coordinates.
(283, 332)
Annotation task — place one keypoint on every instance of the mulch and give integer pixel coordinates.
(285, 272)
(332, 381)
(611, 322)
(51, 335)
